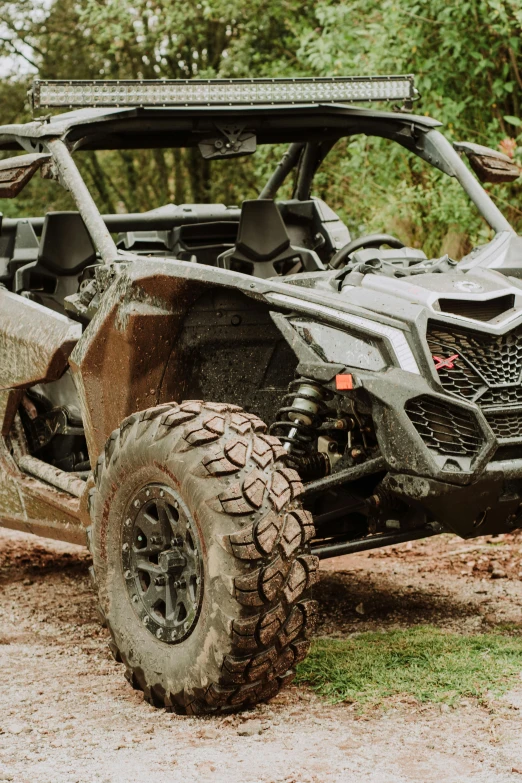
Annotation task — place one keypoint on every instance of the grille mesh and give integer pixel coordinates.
(505, 397)
(497, 358)
(445, 428)
(460, 379)
(506, 425)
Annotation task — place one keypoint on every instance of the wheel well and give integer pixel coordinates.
(229, 350)
(161, 338)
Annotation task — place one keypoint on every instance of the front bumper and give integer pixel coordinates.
(409, 447)
(510, 469)
(471, 494)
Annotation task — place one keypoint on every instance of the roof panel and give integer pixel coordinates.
(107, 128)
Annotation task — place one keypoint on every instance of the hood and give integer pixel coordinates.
(481, 289)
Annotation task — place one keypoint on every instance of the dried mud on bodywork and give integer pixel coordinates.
(213, 397)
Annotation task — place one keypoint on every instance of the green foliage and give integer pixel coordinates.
(426, 663)
(377, 186)
(466, 56)
(467, 61)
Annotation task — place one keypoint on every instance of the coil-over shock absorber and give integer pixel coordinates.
(296, 426)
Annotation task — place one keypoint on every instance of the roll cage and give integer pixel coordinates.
(310, 130)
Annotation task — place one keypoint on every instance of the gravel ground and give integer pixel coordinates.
(68, 716)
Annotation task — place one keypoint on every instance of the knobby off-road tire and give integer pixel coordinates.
(255, 614)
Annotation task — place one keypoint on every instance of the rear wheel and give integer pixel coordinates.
(201, 557)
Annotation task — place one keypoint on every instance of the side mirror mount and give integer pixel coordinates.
(16, 172)
(489, 165)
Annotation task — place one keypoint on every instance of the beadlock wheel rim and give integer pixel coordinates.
(162, 562)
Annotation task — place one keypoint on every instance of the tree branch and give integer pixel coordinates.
(514, 64)
(14, 50)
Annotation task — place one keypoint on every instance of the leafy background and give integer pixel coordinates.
(467, 58)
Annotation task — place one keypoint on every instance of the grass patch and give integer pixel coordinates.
(424, 662)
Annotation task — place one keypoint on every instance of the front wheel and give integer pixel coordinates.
(201, 557)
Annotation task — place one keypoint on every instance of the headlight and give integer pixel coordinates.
(336, 346)
(394, 337)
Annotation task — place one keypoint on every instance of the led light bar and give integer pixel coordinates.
(231, 92)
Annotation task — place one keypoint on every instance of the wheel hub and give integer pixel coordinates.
(162, 563)
(171, 560)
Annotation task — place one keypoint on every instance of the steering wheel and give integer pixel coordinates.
(370, 240)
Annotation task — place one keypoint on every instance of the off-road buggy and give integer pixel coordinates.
(213, 397)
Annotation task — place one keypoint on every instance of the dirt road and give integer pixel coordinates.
(68, 716)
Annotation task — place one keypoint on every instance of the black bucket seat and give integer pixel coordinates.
(263, 246)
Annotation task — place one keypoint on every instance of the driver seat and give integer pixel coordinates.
(64, 251)
(263, 246)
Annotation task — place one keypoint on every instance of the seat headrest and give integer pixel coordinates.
(262, 235)
(65, 246)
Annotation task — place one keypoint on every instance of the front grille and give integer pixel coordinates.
(445, 428)
(487, 369)
(479, 311)
(506, 425)
(491, 360)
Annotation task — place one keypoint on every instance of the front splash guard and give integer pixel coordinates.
(485, 507)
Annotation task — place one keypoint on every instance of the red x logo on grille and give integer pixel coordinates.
(447, 363)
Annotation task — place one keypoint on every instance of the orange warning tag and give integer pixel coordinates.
(344, 382)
